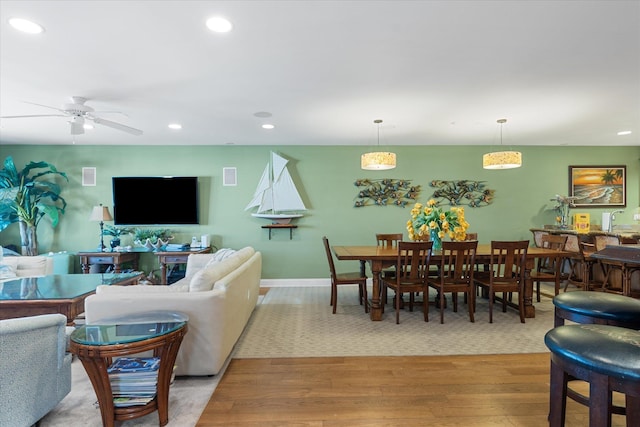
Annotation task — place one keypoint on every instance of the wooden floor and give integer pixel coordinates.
(494, 390)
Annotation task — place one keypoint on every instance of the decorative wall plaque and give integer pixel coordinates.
(463, 192)
(385, 192)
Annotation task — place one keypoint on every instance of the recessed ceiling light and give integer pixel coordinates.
(175, 126)
(624, 132)
(219, 24)
(262, 114)
(267, 126)
(26, 26)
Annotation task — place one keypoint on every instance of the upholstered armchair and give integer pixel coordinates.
(35, 369)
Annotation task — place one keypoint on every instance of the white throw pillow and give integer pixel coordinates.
(204, 279)
(221, 254)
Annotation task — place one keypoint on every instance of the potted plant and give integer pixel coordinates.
(115, 232)
(152, 238)
(27, 196)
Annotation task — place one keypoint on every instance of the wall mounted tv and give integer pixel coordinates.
(155, 200)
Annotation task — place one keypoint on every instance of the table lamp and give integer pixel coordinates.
(102, 214)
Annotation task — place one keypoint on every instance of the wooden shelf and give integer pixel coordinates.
(279, 226)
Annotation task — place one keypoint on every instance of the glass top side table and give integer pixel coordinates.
(97, 344)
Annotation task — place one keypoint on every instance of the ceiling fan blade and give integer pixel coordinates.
(118, 126)
(45, 106)
(32, 115)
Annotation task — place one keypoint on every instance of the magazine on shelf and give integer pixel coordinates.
(134, 380)
(134, 364)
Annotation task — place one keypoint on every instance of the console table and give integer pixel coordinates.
(87, 259)
(97, 344)
(176, 257)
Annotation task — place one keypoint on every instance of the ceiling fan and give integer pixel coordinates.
(78, 112)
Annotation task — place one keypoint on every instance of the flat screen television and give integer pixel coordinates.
(155, 200)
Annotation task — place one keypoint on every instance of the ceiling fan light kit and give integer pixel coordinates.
(502, 159)
(78, 112)
(378, 160)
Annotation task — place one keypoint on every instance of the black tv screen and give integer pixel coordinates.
(142, 200)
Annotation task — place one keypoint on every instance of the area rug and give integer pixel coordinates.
(297, 322)
(188, 397)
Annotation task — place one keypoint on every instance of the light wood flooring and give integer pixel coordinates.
(482, 390)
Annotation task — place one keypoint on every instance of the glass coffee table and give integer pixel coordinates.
(55, 293)
(97, 344)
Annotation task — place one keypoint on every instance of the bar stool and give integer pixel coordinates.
(597, 307)
(607, 357)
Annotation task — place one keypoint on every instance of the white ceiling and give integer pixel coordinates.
(436, 72)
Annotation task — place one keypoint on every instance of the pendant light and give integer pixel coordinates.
(378, 160)
(502, 159)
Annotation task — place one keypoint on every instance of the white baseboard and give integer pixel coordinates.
(282, 283)
(275, 283)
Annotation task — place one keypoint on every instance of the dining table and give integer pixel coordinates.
(379, 257)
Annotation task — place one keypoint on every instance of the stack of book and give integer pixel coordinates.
(134, 380)
(177, 246)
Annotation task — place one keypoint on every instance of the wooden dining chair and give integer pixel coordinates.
(456, 272)
(337, 279)
(412, 270)
(388, 240)
(507, 267)
(385, 240)
(582, 266)
(471, 236)
(549, 269)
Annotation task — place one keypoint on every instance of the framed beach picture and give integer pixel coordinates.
(598, 186)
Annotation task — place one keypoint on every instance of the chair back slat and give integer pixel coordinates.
(388, 240)
(413, 262)
(508, 260)
(458, 261)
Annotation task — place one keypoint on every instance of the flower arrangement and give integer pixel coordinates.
(432, 220)
(563, 204)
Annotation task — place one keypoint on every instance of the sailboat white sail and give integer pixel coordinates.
(276, 196)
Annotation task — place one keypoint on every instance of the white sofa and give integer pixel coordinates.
(218, 293)
(25, 266)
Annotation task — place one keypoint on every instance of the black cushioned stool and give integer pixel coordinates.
(607, 357)
(597, 307)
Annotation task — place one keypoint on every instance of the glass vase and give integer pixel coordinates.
(437, 241)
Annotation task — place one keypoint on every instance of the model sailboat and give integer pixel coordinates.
(277, 197)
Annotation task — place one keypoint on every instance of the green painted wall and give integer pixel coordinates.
(325, 176)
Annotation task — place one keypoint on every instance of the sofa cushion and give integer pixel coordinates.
(204, 279)
(29, 266)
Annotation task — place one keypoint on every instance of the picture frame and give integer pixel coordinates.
(598, 186)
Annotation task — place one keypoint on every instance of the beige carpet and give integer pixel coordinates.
(187, 399)
(297, 322)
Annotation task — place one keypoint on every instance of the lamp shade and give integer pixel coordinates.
(100, 213)
(378, 160)
(502, 160)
